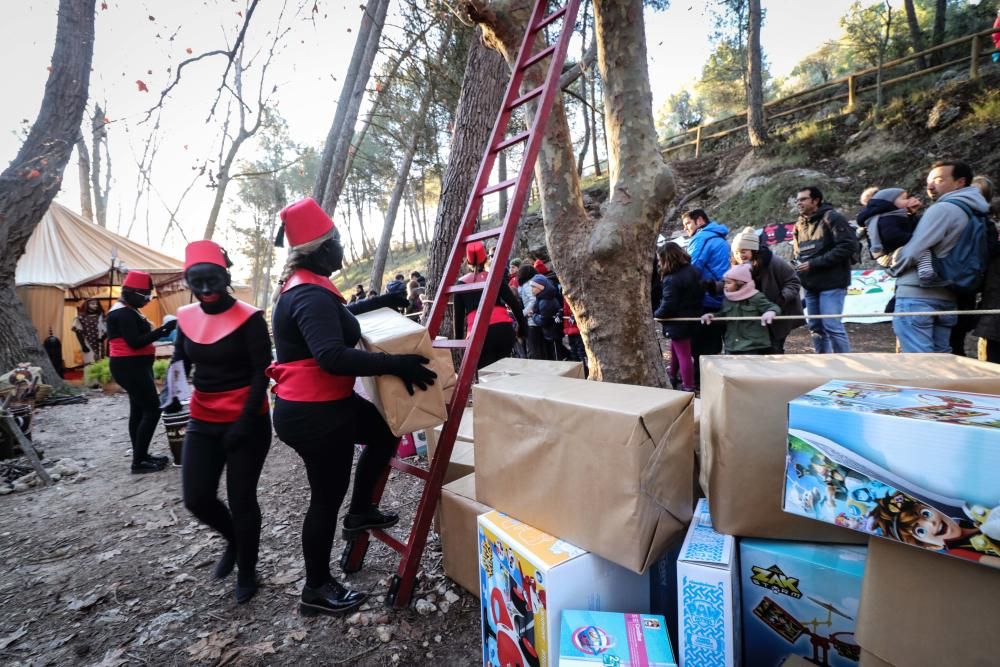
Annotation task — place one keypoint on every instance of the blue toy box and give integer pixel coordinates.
(608, 639)
(918, 466)
(800, 599)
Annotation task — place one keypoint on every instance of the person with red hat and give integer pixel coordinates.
(227, 342)
(316, 411)
(131, 352)
(500, 337)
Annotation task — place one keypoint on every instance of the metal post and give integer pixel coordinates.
(974, 62)
(697, 142)
(851, 92)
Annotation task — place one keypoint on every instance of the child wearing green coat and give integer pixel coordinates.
(744, 300)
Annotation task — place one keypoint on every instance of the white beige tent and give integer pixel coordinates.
(69, 259)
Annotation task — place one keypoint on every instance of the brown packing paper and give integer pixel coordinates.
(745, 420)
(385, 330)
(459, 543)
(603, 466)
(444, 366)
(872, 660)
(465, 433)
(462, 463)
(515, 366)
(921, 610)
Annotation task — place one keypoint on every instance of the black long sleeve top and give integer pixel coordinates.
(310, 321)
(236, 360)
(466, 302)
(129, 324)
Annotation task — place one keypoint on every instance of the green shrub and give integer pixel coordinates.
(99, 372)
(986, 109)
(160, 369)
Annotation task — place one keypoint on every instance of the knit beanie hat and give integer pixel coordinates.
(746, 240)
(888, 194)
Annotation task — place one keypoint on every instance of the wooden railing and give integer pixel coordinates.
(847, 88)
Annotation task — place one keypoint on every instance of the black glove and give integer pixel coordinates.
(395, 300)
(411, 369)
(167, 327)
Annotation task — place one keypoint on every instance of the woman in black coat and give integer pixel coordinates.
(680, 296)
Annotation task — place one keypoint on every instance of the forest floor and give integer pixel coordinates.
(106, 568)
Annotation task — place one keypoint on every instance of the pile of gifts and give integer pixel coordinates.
(825, 510)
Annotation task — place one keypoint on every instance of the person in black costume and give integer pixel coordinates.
(316, 411)
(500, 336)
(131, 352)
(227, 342)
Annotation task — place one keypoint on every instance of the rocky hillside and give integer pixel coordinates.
(946, 117)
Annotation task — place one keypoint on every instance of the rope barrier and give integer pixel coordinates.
(828, 316)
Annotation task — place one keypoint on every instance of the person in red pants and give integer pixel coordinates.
(316, 411)
(131, 352)
(227, 342)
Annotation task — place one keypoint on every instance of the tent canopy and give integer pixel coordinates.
(67, 251)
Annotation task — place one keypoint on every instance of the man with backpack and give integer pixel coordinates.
(954, 230)
(825, 248)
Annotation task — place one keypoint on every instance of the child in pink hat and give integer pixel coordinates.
(742, 299)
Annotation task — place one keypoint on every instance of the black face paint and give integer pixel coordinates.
(136, 298)
(327, 258)
(208, 283)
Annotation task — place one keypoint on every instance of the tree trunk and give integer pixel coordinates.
(594, 124)
(756, 122)
(883, 43)
(594, 258)
(342, 141)
(937, 35)
(916, 34)
(30, 183)
(83, 164)
(486, 76)
(99, 136)
(583, 98)
(502, 199)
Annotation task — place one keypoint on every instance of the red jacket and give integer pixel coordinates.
(996, 35)
(569, 322)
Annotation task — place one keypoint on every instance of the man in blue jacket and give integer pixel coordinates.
(709, 252)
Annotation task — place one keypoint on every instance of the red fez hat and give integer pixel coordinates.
(138, 280)
(475, 252)
(539, 266)
(302, 222)
(203, 252)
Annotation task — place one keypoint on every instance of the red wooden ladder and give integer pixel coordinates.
(401, 589)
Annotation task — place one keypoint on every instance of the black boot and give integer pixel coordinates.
(355, 523)
(161, 460)
(226, 562)
(330, 598)
(145, 466)
(246, 589)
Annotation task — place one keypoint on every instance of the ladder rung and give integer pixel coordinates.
(534, 92)
(509, 183)
(453, 343)
(516, 139)
(544, 53)
(479, 236)
(554, 16)
(466, 287)
(409, 469)
(389, 540)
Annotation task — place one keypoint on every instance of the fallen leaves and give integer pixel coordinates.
(210, 648)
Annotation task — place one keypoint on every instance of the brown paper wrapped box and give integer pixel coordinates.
(604, 466)
(515, 366)
(385, 330)
(744, 422)
(462, 463)
(465, 433)
(459, 532)
(921, 610)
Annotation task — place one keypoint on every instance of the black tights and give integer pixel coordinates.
(203, 460)
(324, 434)
(135, 375)
(499, 344)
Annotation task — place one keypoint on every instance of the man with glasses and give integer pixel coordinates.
(824, 245)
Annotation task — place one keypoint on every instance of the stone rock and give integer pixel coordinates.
(451, 597)
(384, 633)
(424, 607)
(942, 115)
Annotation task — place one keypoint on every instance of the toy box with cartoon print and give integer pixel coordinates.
(800, 598)
(528, 577)
(917, 466)
(609, 639)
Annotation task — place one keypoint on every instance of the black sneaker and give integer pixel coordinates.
(142, 467)
(330, 598)
(162, 460)
(354, 524)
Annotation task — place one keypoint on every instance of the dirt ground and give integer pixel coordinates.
(107, 568)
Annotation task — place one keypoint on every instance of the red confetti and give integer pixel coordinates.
(34, 173)
(189, 51)
(151, 18)
(106, 120)
(104, 5)
(142, 86)
(49, 68)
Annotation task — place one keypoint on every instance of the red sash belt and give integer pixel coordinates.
(498, 315)
(222, 407)
(117, 347)
(304, 380)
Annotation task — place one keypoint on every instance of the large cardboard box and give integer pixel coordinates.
(465, 433)
(462, 463)
(592, 638)
(516, 366)
(708, 595)
(744, 426)
(385, 330)
(919, 610)
(800, 599)
(458, 513)
(528, 577)
(918, 466)
(605, 466)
